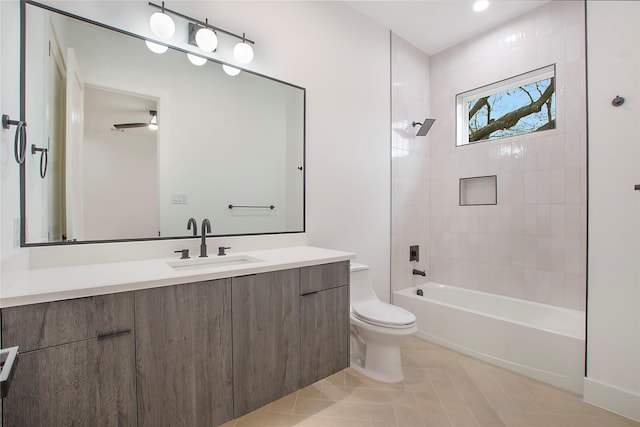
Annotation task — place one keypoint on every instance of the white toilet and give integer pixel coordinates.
(377, 330)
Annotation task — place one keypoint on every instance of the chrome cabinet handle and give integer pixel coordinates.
(8, 360)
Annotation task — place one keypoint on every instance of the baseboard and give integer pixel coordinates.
(613, 399)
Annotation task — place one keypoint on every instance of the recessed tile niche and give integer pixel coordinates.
(479, 190)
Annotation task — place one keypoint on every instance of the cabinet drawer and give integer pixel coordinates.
(44, 325)
(325, 276)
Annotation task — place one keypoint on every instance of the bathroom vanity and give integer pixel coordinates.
(190, 348)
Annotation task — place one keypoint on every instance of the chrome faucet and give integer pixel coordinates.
(206, 228)
(419, 272)
(193, 222)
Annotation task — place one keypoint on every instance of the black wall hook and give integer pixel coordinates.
(617, 101)
(20, 140)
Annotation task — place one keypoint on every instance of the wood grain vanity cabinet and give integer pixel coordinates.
(324, 317)
(194, 354)
(183, 347)
(76, 364)
(266, 338)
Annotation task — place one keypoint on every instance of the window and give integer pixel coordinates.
(519, 105)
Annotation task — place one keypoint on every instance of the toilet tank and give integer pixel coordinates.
(361, 288)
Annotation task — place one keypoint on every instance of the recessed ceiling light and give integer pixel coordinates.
(480, 5)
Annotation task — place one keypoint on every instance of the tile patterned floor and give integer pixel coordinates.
(441, 388)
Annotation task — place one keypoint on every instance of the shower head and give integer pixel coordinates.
(424, 126)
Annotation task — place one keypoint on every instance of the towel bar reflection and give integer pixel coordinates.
(252, 207)
(44, 159)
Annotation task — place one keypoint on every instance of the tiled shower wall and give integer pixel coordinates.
(532, 244)
(410, 166)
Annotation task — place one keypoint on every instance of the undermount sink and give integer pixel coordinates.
(212, 262)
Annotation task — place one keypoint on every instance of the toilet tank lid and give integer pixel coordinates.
(355, 266)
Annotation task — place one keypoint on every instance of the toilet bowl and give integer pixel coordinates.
(377, 330)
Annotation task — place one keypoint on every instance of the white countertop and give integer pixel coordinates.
(59, 283)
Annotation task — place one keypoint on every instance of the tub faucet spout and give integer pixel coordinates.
(206, 228)
(419, 273)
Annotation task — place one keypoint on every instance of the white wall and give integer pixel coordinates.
(1, 190)
(342, 59)
(613, 313)
(13, 259)
(410, 162)
(532, 244)
(120, 188)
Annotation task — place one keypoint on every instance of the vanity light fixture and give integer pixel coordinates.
(161, 24)
(155, 47)
(196, 60)
(232, 71)
(243, 51)
(205, 37)
(480, 5)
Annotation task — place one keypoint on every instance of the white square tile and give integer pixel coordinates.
(573, 291)
(543, 253)
(556, 186)
(573, 256)
(530, 222)
(557, 254)
(543, 287)
(543, 186)
(530, 188)
(543, 220)
(557, 290)
(557, 220)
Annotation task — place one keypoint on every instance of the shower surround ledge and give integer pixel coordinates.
(39, 285)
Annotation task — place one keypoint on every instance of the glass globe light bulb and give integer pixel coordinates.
(155, 47)
(196, 60)
(232, 71)
(162, 25)
(243, 53)
(480, 5)
(206, 39)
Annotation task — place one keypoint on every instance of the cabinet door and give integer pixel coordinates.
(324, 347)
(183, 354)
(266, 338)
(86, 383)
(37, 326)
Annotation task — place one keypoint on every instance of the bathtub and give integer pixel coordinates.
(540, 341)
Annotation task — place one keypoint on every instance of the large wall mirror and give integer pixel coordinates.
(221, 141)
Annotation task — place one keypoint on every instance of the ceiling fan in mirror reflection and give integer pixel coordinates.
(151, 124)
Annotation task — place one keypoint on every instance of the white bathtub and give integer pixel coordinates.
(541, 341)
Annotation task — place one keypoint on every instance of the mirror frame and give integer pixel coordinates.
(22, 108)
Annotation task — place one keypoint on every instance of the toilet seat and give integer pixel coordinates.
(379, 313)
